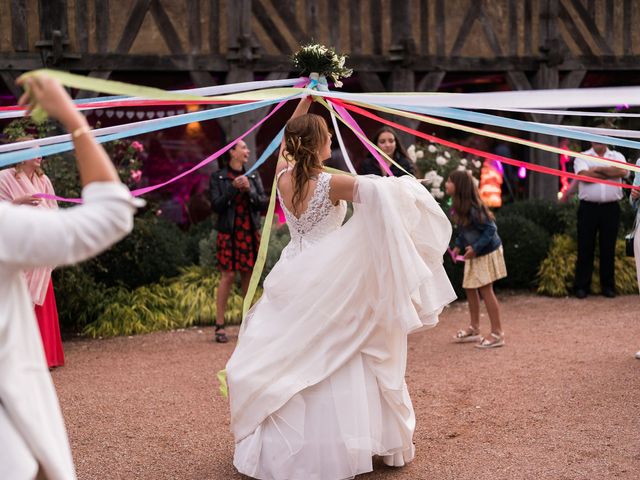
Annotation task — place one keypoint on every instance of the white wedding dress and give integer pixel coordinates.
(316, 382)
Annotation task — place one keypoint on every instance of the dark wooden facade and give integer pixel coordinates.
(395, 45)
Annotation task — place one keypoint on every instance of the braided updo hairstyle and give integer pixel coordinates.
(304, 137)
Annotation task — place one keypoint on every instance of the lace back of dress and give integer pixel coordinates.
(320, 217)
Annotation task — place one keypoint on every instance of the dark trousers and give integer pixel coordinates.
(594, 219)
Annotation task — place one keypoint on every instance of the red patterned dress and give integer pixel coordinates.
(237, 251)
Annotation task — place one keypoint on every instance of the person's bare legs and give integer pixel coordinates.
(224, 289)
(493, 308)
(245, 278)
(474, 307)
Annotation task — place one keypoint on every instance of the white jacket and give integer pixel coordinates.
(32, 430)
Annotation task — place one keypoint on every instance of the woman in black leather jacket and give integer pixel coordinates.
(387, 140)
(238, 199)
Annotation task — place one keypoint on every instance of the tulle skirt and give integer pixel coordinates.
(329, 431)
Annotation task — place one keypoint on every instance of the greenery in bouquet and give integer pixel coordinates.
(435, 162)
(322, 60)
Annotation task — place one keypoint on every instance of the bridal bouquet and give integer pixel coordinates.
(322, 60)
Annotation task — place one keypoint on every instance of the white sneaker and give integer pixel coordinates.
(638, 354)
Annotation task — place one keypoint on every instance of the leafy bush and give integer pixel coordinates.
(525, 247)
(557, 271)
(553, 217)
(156, 248)
(180, 302)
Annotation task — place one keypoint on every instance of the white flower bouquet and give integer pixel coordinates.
(316, 58)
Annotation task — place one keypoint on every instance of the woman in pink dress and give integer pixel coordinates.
(19, 185)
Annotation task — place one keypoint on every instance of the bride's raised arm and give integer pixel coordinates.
(301, 109)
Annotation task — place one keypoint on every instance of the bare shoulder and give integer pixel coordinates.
(342, 187)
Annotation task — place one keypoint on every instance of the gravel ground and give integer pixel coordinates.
(560, 401)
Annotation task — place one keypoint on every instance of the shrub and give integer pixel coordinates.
(180, 302)
(553, 217)
(557, 271)
(525, 247)
(156, 248)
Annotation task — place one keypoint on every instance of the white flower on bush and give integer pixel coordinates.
(477, 163)
(432, 148)
(437, 181)
(463, 161)
(411, 151)
(437, 193)
(462, 168)
(430, 177)
(440, 160)
(476, 182)
(447, 154)
(420, 154)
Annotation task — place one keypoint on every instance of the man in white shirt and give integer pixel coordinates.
(598, 215)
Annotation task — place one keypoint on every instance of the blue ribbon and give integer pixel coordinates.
(484, 118)
(275, 143)
(13, 157)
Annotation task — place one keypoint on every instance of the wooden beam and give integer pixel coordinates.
(375, 23)
(489, 31)
(573, 79)
(591, 26)
(193, 22)
(132, 27)
(167, 30)
(574, 31)
(465, 29)
(627, 13)
(513, 27)
(528, 28)
(103, 25)
(431, 82)
(262, 15)
(82, 26)
(424, 27)
(19, 32)
(214, 27)
(440, 29)
(53, 16)
(334, 26)
(354, 26)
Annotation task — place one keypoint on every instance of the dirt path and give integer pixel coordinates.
(560, 401)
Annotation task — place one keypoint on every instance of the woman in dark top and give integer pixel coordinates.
(238, 199)
(387, 140)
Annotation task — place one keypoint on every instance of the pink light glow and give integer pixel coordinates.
(522, 172)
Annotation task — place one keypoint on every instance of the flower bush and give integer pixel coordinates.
(435, 162)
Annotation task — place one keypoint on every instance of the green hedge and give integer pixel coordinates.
(557, 271)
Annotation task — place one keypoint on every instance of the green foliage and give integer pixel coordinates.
(557, 271)
(180, 302)
(156, 248)
(552, 216)
(525, 246)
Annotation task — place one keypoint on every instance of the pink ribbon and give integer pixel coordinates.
(346, 116)
(455, 258)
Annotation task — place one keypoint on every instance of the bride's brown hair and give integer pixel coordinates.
(304, 136)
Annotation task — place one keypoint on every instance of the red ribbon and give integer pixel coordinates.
(480, 153)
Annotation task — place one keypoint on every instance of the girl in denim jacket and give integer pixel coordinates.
(479, 243)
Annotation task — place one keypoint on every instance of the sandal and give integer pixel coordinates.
(221, 337)
(469, 334)
(498, 341)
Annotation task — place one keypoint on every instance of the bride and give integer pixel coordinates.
(316, 381)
